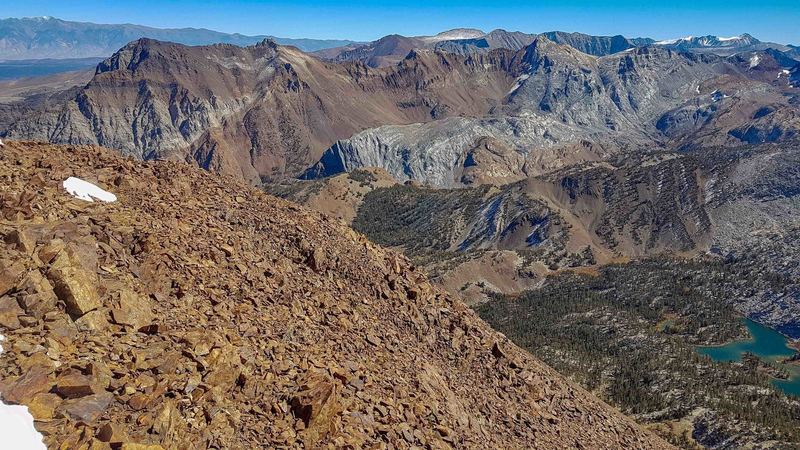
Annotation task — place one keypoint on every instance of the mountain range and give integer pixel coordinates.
(49, 37)
(35, 38)
(267, 111)
(390, 49)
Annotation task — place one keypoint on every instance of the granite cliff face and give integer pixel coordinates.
(275, 326)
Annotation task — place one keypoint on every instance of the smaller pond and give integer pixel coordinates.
(765, 343)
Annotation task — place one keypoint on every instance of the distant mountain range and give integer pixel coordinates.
(48, 37)
(392, 48)
(723, 46)
(33, 38)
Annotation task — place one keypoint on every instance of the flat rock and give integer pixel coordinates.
(88, 409)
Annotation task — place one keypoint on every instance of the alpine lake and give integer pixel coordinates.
(765, 343)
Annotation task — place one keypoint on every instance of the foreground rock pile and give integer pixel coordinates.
(196, 312)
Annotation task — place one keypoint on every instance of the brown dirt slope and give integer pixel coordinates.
(196, 312)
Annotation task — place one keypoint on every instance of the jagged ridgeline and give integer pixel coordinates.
(197, 312)
(436, 115)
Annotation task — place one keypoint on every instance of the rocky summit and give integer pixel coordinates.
(197, 312)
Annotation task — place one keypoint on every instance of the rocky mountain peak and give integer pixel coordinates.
(747, 37)
(544, 53)
(128, 57)
(593, 45)
(269, 43)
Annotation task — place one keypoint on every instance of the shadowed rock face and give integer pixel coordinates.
(274, 314)
(794, 76)
(595, 45)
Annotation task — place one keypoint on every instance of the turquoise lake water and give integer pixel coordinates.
(767, 344)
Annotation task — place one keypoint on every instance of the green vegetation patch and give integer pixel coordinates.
(629, 335)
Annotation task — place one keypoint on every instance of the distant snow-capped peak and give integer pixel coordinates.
(710, 41)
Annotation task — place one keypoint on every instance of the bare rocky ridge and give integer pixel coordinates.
(265, 112)
(567, 107)
(257, 112)
(392, 48)
(197, 312)
(727, 200)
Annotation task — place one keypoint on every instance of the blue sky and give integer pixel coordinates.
(773, 20)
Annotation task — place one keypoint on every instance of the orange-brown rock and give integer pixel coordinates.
(9, 274)
(89, 408)
(24, 388)
(250, 322)
(113, 433)
(134, 446)
(132, 310)
(317, 405)
(22, 240)
(73, 384)
(73, 284)
(43, 406)
(38, 297)
(9, 313)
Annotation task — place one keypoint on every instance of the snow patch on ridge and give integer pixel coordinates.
(16, 424)
(87, 191)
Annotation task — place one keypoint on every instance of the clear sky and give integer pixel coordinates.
(772, 20)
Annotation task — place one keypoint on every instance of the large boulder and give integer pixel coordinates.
(74, 285)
